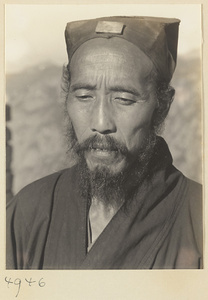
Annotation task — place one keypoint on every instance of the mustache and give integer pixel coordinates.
(106, 142)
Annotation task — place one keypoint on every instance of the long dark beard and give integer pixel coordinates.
(112, 189)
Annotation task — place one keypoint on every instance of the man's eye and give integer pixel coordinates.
(84, 97)
(125, 101)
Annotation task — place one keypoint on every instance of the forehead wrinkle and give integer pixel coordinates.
(106, 63)
(103, 57)
(110, 81)
(112, 52)
(118, 67)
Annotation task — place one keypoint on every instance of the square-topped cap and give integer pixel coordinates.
(156, 37)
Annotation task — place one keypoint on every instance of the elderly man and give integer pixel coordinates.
(123, 205)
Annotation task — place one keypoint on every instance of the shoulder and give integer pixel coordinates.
(190, 198)
(194, 196)
(194, 207)
(189, 190)
(36, 198)
(194, 187)
(40, 186)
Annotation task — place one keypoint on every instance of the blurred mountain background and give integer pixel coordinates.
(36, 121)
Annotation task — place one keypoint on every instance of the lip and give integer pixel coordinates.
(104, 156)
(103, 152)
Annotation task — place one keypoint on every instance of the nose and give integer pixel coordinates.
(102, 119)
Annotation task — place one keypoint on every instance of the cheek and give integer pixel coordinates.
(78, 119)
(135, 137)
(135, 127)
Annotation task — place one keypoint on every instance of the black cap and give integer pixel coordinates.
(156, 37)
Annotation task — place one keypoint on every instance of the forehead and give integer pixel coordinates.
(115, 56)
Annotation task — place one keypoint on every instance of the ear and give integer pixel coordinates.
(169, 96)
(164, 100)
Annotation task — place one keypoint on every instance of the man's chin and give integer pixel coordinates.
(102, 181)
(112, 163)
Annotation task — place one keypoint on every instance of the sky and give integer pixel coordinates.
(34, 34)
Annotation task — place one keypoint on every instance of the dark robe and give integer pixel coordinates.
(160, 229)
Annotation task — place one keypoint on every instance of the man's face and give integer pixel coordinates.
(109, 96)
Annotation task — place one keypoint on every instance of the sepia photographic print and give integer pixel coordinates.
(104, 155)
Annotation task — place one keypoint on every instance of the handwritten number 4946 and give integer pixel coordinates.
(18, 283)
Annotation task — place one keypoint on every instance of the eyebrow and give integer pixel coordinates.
(122, 89)
(118, 88)
(79, 86)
